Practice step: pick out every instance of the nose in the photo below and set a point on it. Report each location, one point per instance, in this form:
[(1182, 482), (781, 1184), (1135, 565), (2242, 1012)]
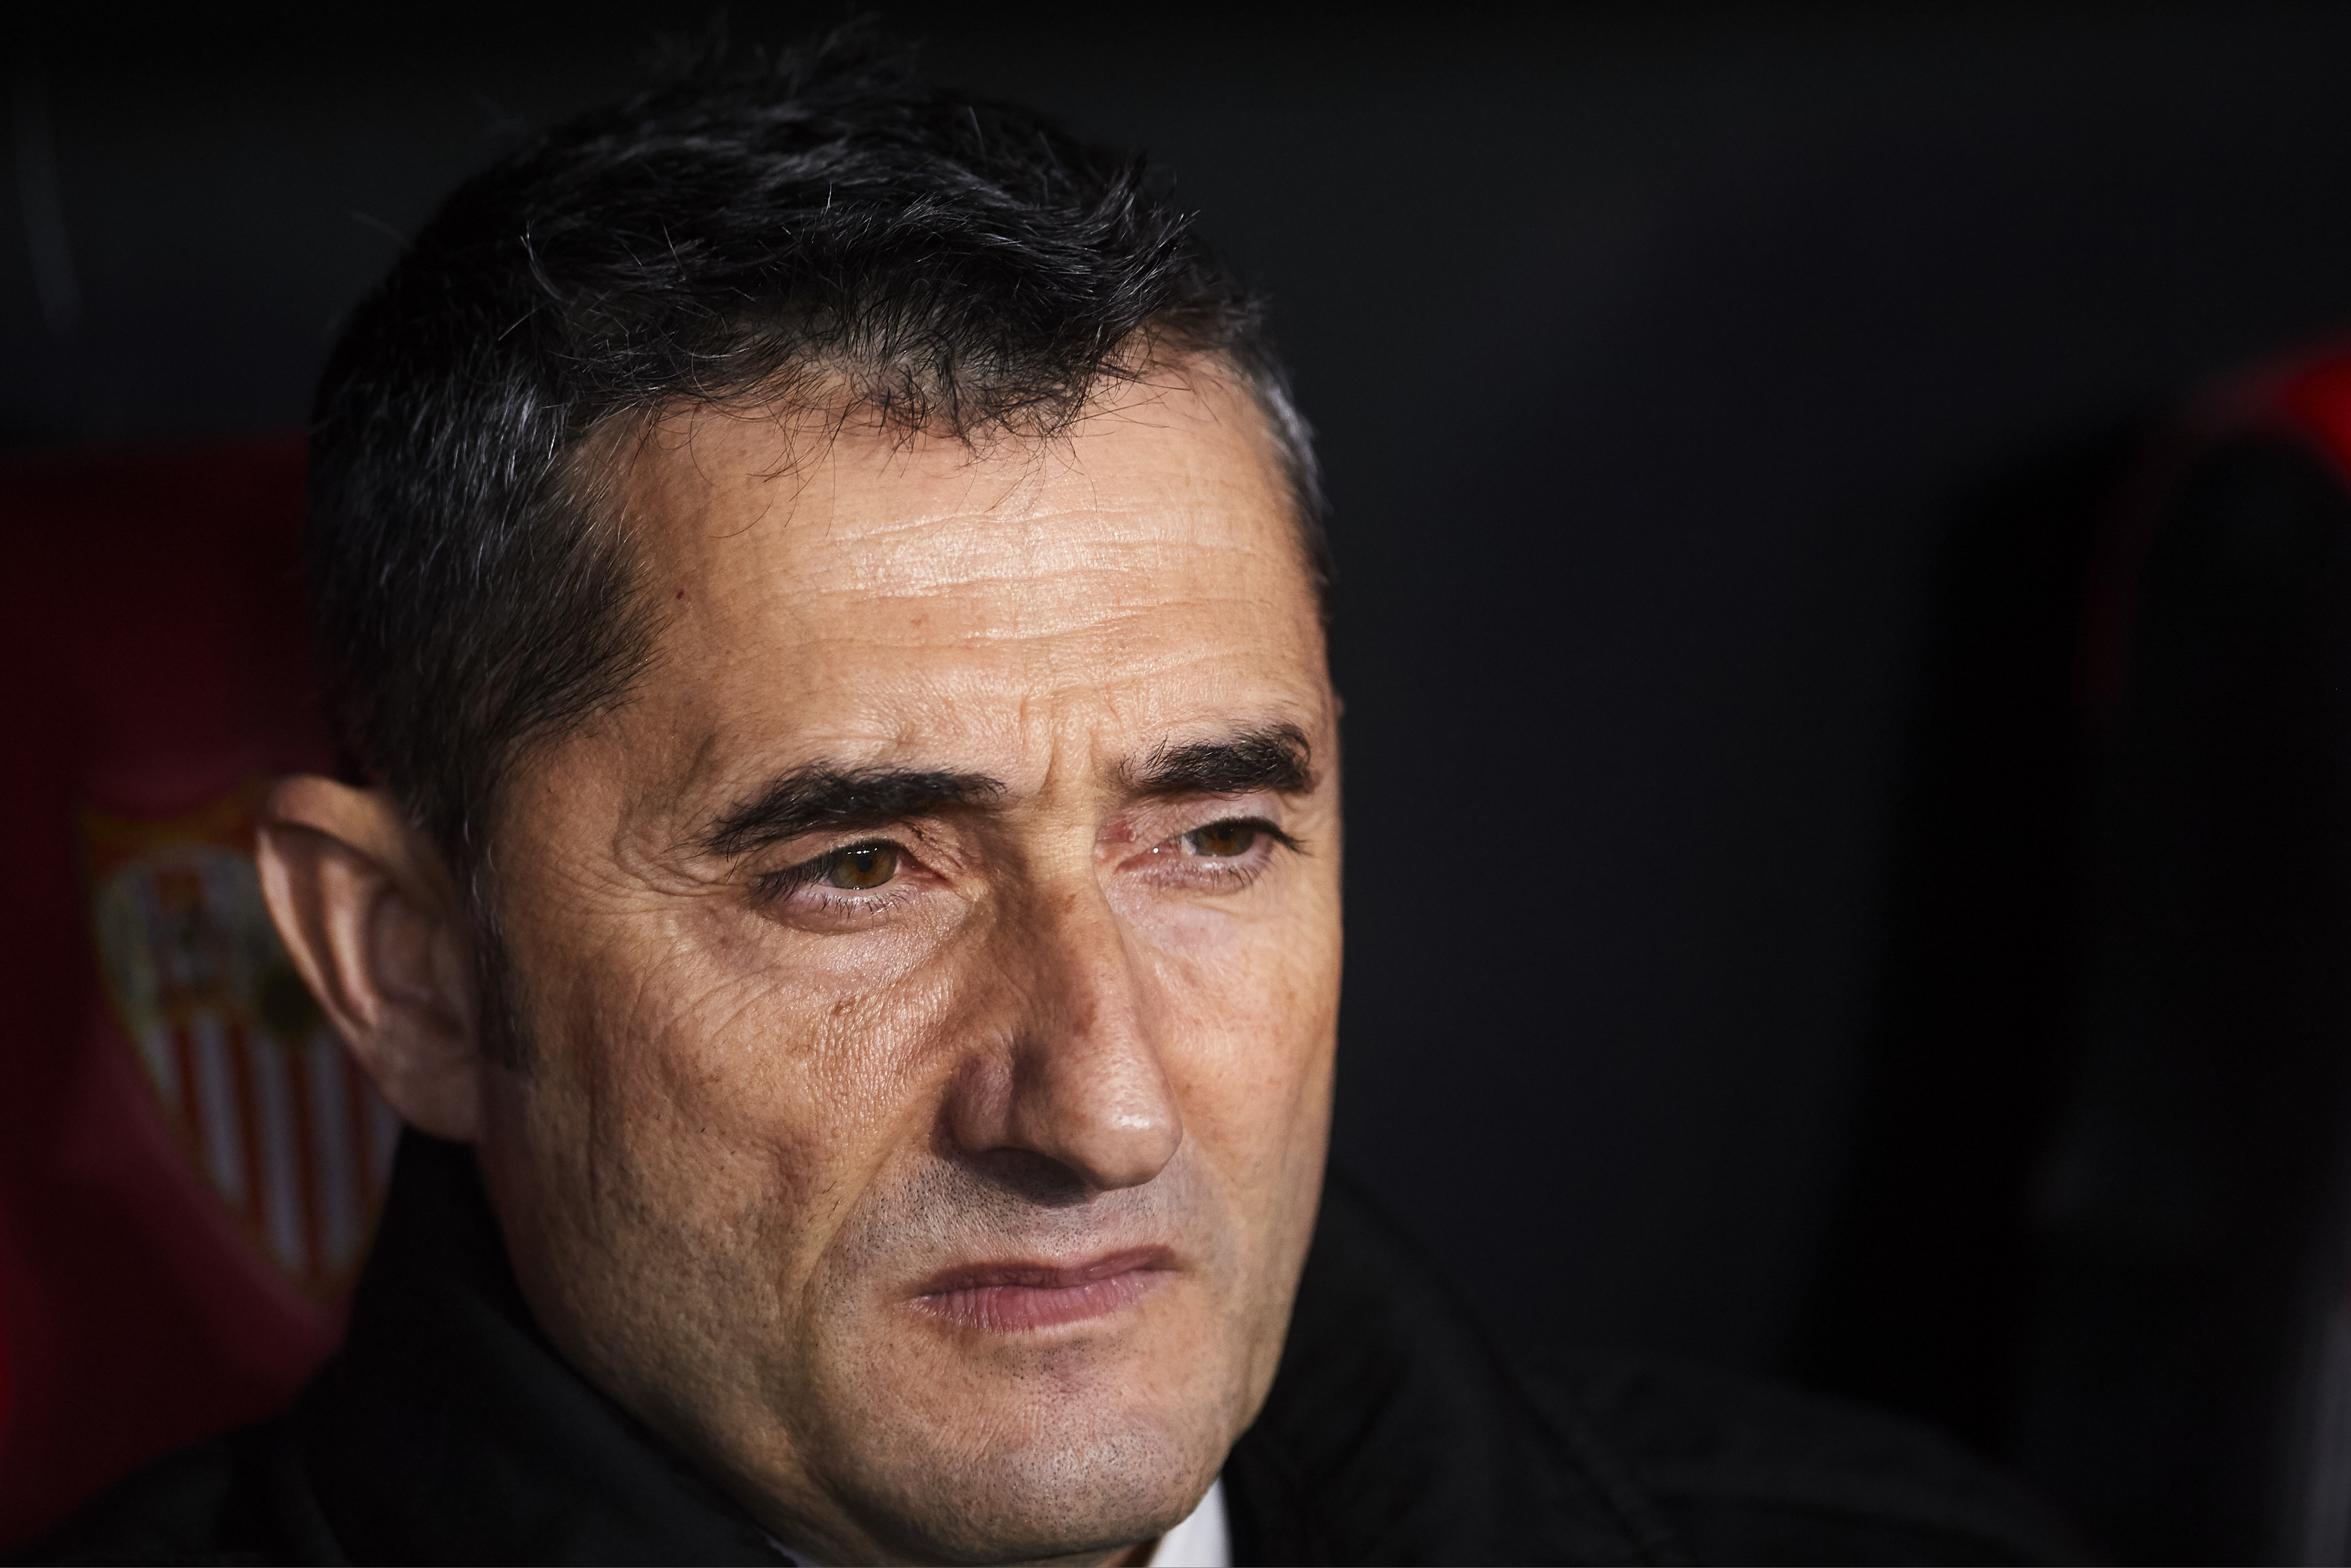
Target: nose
[(1078, 1079)]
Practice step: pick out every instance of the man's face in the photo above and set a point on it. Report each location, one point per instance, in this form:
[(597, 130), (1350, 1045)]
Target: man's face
[(930, 974)]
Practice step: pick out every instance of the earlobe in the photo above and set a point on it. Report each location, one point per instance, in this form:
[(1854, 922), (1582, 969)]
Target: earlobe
[(368, 914)]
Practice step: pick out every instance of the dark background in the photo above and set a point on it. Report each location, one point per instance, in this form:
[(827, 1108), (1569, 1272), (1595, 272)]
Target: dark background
[(1714, 399)]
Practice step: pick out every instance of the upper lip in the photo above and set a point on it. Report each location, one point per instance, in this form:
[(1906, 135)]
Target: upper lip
[(1039, 1276)]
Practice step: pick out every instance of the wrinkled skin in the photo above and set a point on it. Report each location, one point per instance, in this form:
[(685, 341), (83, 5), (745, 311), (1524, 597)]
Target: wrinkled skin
[(1081, 1019)]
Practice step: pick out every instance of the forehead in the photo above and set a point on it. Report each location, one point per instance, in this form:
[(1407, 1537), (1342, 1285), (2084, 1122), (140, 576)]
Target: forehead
[(862, 592)]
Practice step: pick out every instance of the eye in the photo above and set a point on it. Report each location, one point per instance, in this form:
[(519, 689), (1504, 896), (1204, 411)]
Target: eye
[(853, 883), (858, 869), (1222, 840)]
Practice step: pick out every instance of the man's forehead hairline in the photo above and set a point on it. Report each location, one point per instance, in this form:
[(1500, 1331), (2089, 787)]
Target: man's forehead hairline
[(626, 470), (821, 409)]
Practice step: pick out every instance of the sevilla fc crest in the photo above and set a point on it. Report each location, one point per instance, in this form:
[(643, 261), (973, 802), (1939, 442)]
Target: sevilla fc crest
[(264, 1098)]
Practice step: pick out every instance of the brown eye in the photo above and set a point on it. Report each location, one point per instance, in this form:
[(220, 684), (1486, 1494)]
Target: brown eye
[(866, 866), (1222, 840)]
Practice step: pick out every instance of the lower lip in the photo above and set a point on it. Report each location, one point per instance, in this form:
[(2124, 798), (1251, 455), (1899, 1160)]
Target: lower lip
[(1013, 1309)]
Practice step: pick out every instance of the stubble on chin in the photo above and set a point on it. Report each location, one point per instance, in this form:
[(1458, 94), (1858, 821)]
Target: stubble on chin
[(957, 1443)]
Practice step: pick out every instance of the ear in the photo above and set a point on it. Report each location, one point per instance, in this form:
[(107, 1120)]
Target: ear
[(371, 917)]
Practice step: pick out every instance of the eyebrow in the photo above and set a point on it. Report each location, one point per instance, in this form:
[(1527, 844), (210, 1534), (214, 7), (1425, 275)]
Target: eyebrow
[(1274, 757), (822, 795)]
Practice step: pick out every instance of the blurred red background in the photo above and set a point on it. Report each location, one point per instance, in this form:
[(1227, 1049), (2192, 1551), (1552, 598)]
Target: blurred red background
[(156, 651)]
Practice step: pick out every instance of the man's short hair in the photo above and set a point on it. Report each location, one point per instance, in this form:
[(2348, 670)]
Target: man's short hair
[(828, 228)]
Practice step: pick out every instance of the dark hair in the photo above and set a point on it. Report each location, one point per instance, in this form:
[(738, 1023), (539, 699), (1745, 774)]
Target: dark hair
[(957, 266)]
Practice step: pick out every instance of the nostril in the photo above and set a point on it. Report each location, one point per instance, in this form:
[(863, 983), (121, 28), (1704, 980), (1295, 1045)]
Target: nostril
[(1030, 1176)]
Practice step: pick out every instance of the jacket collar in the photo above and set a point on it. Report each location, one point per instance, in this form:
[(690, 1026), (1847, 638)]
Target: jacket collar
[(1396, 1431), (448, 1429)]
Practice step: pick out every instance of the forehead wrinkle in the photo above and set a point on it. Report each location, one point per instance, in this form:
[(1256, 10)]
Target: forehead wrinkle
[(1005, 609), (939, 712), (932, 554), (942, 557)]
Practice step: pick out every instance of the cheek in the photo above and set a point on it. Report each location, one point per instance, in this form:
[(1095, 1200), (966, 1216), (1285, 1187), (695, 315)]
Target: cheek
[(1245, 1020), (708, 1083)]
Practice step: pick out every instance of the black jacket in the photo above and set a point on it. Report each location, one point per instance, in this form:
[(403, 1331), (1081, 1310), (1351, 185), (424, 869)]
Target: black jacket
[(448, 1430)]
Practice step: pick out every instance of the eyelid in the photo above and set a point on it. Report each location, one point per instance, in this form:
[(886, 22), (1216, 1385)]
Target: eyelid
[(1156, 821), (841, 841)]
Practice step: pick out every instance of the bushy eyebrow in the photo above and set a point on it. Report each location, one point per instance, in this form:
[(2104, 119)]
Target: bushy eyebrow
[(824, 796), (1274, 757)]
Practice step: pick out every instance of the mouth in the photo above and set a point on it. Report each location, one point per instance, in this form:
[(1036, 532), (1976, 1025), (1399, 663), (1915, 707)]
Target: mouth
[(1011, 1298)]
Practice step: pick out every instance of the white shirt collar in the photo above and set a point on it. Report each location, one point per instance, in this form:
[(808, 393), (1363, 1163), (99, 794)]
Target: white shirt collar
[(1201, 1540)]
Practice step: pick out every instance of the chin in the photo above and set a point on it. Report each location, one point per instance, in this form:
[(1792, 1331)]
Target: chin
[(1046, 1466), (1051, 1499)]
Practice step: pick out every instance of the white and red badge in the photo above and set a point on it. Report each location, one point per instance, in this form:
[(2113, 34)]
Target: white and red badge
[(262, 1096)]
